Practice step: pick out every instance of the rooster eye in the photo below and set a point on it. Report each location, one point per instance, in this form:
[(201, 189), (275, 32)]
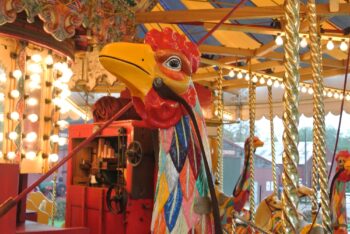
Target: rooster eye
[(173, 63)]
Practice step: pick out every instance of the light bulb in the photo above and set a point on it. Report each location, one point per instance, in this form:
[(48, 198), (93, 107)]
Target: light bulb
[(33, 118), (14, 93), (35, 68), (62, 141), (330, 44), (53, 158), (49, 60), (65, 93), (1, 155), (347, 97), (341, 96), (336, 95), (303, 42), (1, 117), (54, 138), (17, 73), (57, 101), (35, 77), (239, 75), (1, 136), (32, 101), (2, 96), (64, 109), (231, 74), (343, 46), (269, 82), (14, 115), (31, 137), (2, 77), (279, 40), (66, 76), (255, 79), (13, 136), (36, 58), (247, 77), (11, 155), (282, 86), (62, 124), (310, 91), (57, 66), (31, 155), (324, 93), (329, 94), (262, 80), (33, 85), (276, 84)]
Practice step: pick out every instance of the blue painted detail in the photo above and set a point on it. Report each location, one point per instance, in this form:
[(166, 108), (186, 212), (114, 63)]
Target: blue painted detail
[(172, 207)]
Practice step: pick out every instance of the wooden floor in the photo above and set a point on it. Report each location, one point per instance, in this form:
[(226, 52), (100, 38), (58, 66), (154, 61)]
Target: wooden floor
[(37, 228)]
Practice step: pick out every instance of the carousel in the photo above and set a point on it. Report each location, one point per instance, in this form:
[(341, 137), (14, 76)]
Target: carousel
[(143, 116)]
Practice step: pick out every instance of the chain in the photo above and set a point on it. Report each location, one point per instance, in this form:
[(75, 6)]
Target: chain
[(219, 131), (273, 150), (290, 178), (252, 96), (319, 151)]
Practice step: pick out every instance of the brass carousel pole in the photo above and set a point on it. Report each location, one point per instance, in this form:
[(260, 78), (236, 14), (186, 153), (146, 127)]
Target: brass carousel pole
[(252, 97), (290, 178), (273, 150), (319, 151), (219, 131)]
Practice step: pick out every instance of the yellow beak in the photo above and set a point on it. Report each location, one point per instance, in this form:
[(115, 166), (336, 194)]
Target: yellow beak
[(347, 165), (132, 63)]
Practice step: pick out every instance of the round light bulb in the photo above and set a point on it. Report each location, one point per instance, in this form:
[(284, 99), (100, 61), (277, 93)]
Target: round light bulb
[(17, 73), (330, 44), (239, 75), (53, 158), (33, 85), (343, 46), (336, 95), (247, 77), (62, 141), (57, 101), (14, 115), (341, 96), (49, 60), (269, 82), (347, 97), (32, 101), (11, 155), (14, 93), (57, 66), (65, 93), (31, 137), (33, 118), (310, 91), (255, 79), (324, 93), (66, 76), (64, 109), (2, 96), (31, 155), (54, 138), (282, 86), (262, 80), (62, 124), (276, 84), (231, 74), (303, 42), (2, 77), (35, 77), (1, 155), (36, 58), (13, 136), (329, 94), (35, 68), (279, 40)]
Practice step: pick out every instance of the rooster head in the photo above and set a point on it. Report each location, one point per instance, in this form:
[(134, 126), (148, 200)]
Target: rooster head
[(166, 55), (343, 162)]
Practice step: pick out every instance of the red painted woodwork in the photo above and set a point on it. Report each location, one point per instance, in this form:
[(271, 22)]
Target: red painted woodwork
[(86, 206), (9, 177), (36, 228)]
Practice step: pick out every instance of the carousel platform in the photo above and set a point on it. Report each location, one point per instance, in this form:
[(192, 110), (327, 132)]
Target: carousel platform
[(37, 228)]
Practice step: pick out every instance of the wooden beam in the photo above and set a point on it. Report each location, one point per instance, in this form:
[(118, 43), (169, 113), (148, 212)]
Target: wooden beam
[(264, 49), (202, 15), (245, 28), (226, 51), (334, 5)]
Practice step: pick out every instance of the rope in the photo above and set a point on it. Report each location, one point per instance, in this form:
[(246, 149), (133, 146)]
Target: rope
[(319, 144), (290, 178), (219, 130), (273, 150), (252, 96)]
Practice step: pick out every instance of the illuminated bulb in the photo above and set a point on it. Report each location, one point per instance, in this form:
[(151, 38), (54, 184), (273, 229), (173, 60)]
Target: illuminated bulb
[(36, 58), (64, 109), (324, 93), (269, 82), (33, 118), (2, 77), (14, 93), (54, 138), (1, 155), (14, 115), (279, 40), (64, 67), (62, 124), (247, 77), (2, 97), (49, 60), (336, 95), (282, 86), (32, 101), (231, 74), (329, 94), (347, 97), (31, 155), (67, 74), (276, 84), (31, 137), (262, 80), (13, 135), (57, 66), (239, 75), (17, 73), (35, 78), (343, 46), (303, 42), (341, 96), (1, 136), (310, 91), (62, 141), (57, 101), (33, 85), (65, 93), (255, 79), (53, 158), (1, 117), (11, 155), (34, 68), (330, 44)]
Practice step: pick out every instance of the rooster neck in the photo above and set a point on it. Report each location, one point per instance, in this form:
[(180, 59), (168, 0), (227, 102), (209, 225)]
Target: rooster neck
[(338, 204)]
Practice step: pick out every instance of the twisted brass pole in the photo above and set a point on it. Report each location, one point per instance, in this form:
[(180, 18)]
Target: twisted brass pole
[(272, 136), (319, 151), (54, 207), (290, 178), (219, 130), (252, 96)]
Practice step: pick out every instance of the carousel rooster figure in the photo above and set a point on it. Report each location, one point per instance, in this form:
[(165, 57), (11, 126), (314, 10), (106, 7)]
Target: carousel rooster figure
[(181, 203)]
